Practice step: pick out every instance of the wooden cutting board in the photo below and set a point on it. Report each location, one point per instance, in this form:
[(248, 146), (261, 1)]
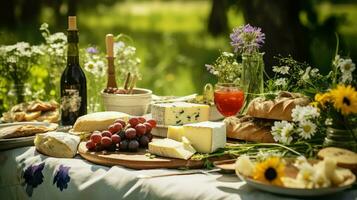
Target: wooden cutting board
[(135, 160)]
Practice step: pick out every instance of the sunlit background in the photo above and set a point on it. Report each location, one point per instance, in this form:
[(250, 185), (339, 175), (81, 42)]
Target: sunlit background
[(174, 39)]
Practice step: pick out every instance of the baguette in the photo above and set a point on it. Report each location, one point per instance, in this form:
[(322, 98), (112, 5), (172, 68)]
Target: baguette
[(278, 109), (249, 129)]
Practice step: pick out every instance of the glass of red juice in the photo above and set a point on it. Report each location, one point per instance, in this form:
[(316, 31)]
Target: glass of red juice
[(229, 98)]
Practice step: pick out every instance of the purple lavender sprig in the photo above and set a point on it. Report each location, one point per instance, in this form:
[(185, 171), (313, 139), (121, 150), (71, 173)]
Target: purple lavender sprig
[(247, 39)]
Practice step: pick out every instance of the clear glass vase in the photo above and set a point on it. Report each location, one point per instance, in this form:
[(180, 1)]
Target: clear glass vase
[(343, 138), (19, 91), (252, 79)]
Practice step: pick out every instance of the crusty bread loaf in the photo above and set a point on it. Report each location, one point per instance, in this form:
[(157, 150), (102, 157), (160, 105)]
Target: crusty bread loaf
[(278, 109), (249, 129), (343, 157)]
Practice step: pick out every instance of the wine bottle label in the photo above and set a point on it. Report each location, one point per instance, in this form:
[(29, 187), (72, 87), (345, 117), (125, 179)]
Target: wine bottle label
[(71, 101)]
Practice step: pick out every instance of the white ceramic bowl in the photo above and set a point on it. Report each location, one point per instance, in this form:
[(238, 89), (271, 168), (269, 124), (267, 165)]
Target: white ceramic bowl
[(133, 104)]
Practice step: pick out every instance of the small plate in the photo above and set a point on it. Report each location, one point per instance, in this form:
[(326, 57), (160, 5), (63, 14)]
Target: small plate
[(226, 166), (12, 143), (298, 192)]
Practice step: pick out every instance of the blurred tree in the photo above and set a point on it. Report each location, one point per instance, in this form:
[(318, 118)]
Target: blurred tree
[(30, 11), (72, 7), (217, 21), (7, 14), (279, 20)]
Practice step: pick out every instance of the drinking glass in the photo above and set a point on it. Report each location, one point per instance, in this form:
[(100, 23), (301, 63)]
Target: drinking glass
[(229, 98)]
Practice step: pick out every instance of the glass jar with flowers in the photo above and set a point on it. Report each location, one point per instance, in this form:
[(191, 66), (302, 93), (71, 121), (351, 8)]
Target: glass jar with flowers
[(16, 62), (246, 41), (339, 109), (228, 96)]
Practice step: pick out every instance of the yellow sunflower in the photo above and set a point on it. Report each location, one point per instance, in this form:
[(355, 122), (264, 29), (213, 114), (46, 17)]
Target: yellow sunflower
[(345, 99), (322, 99), (270, 171)]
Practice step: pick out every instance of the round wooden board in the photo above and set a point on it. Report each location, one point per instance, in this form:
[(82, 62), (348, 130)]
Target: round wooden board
[(135, 160)]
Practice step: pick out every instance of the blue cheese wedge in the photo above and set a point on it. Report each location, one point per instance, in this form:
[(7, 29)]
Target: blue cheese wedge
[(172, 148), (205, 137), (179, 113), (57, 144)]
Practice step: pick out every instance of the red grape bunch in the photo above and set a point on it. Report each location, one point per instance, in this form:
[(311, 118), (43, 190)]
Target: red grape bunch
[(123, 136)]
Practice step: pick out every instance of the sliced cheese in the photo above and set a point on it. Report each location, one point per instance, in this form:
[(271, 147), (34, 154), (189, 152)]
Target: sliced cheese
[(98, 121), (171, 148), (57, 144), (175, 133), (205, 137), (179, 113)]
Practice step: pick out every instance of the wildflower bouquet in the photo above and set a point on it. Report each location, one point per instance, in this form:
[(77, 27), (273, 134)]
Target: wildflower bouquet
[(126, 59), (16, 61), (95, 69), (333, 95), (226, 68), (246, 41)]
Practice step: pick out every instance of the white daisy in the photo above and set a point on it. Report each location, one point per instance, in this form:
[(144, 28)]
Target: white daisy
[(306, 129), (346, 77), (303, 113), (346, 66), (282, 132), (286, 133), (91, 67), (101, 68)]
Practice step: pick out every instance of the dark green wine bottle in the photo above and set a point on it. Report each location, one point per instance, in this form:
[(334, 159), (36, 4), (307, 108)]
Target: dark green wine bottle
[(73, 80)]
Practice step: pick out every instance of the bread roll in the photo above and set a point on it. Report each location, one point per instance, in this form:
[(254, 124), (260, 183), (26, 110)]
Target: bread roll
[(249, 129), (278, 109)]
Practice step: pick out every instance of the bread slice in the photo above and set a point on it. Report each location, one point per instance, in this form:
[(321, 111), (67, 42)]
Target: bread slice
[(25, 130), (343, 157)]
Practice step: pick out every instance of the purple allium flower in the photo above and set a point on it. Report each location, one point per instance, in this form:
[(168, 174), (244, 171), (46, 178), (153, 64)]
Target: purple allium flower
[(62, 178), (92, 50), (33, 177), (247, 39)]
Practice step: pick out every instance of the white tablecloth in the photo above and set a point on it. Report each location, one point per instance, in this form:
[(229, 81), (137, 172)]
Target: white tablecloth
[(26, 174)]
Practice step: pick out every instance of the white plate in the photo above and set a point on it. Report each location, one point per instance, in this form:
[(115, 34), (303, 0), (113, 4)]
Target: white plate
[(295, 191), (11, 143)]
